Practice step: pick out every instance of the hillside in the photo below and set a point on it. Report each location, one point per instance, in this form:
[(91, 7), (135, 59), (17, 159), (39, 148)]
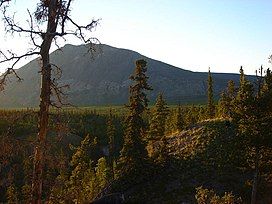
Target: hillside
[(103, 78), (206, 155)]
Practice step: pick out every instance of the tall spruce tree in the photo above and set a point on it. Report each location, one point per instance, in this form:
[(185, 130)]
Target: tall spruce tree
[(82, 184), (231, 95), (231, 89), (157, 124), (253, 119), (111, 135), (133, 160), (102, 172), (242, 76), (227, 99), (210, 103), (223, 105), (157, 127)]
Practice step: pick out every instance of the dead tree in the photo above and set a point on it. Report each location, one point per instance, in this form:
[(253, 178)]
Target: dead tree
[(55, 15)]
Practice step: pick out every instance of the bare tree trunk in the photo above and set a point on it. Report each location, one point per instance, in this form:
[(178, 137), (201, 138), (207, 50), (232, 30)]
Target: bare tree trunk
[(54, 13), (43, 128), (255, 179), (37, 182)]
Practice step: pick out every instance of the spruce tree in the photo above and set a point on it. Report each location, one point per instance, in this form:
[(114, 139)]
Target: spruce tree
[(226, 101), (210, 103), (82, 185), (111, 135), (223, 105), (245, 118), (102, 172), (180, 124), (12, 195), (157, 127), (253, 119), (242, 76), (133, 160), (170, 123), (231, 89), (157, 124), (231, 95)]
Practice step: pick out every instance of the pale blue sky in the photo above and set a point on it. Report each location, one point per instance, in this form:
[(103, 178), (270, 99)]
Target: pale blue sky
[(190, 34)]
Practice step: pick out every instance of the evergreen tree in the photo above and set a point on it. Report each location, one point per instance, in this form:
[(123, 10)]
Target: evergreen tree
[(223, 105), (231, 89), (191, 116), (226, 101), (170, 123), (82, 176), (134, 158), (205, 196), (180, 124), (102, 173), (26, 188), (26, 192), (195, 115), (157, 124), (210, 104), (90, 185), (253, 121), (12, 195), (79, 164), (59, 190), (231, 95), (242, 76), (111, 135), (157, 127)]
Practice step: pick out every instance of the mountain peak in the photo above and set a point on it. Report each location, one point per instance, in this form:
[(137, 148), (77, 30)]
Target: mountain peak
[(102, 78)]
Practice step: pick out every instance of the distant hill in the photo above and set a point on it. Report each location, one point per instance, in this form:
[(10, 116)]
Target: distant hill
[(103, 79)]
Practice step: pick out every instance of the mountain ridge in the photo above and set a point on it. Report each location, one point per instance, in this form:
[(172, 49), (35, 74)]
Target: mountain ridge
[(103, 78)]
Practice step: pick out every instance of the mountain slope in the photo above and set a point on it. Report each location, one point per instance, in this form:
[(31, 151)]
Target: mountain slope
[(103, 78)]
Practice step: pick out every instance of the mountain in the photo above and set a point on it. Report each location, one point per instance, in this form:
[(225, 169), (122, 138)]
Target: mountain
[(102, 78)]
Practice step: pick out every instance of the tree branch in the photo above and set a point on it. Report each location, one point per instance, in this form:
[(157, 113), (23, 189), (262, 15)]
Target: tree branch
[(4, 1), (12, 27), (14, 59)]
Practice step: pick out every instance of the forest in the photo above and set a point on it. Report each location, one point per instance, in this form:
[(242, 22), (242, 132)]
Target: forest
[(142, 152), (206, 153)]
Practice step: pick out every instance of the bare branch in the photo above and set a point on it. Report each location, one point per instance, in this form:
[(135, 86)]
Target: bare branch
[(4, 1), (65, 16), (5, 76), (58, 92), (79, 31), (14, 59), (55, 14), (32, 28), (13, 27)]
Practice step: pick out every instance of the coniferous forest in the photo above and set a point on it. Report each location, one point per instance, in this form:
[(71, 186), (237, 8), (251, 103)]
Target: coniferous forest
[(219, 152), (144, 151)]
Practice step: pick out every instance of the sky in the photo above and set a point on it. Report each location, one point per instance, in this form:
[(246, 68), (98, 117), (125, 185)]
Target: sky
[(190, 34)]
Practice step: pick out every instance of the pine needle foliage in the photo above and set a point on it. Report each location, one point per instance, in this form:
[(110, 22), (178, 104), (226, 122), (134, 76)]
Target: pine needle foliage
[(157, 129), (157, 124), (111, 131), (227, 100), (210, 103), (180, 123), (133, 160)]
